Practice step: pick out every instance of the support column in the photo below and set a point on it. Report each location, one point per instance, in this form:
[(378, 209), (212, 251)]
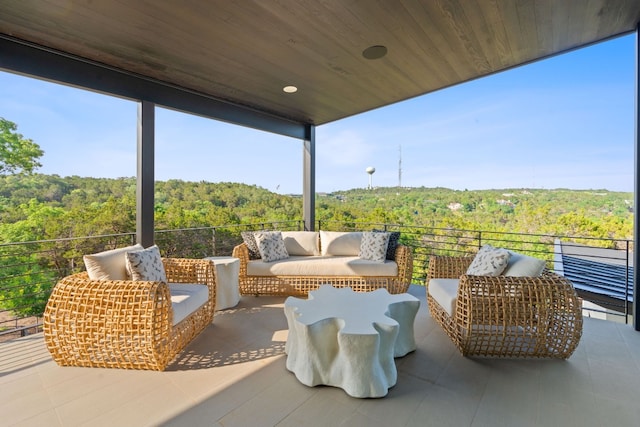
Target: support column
[(309, 178), (145, 174), (636, 197)]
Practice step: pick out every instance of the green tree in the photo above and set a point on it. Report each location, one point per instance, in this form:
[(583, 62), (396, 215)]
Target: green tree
[(17, 153)]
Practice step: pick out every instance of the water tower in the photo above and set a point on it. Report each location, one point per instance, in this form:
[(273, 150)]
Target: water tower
[(370, 170)]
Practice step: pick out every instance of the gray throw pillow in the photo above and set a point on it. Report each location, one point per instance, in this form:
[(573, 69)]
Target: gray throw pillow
[(249, 239)]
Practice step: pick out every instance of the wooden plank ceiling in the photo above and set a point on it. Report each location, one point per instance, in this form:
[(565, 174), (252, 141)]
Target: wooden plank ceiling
[(247, 51)]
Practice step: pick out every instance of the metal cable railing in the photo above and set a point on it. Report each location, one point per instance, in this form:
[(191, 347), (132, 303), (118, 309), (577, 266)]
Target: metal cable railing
[(29, 270)]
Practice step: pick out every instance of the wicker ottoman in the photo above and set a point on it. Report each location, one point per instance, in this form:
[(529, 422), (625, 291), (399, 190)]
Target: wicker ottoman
[(349, 339)]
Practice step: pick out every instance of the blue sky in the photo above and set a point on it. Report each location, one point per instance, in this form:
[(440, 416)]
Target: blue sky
[(566, 122)]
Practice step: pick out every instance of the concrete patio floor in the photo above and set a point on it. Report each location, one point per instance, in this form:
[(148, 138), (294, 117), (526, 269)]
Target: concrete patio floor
[(234, 374)]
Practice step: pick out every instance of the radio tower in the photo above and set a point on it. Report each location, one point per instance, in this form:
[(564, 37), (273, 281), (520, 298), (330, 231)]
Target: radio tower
[(400, 166)]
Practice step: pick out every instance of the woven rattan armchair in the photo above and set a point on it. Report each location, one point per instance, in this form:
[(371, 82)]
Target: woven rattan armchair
[(302, 285), (124, 324), (508, 316)]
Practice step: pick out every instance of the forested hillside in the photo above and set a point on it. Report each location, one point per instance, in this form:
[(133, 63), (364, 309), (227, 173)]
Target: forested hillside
[(36, 207), (42, 207)]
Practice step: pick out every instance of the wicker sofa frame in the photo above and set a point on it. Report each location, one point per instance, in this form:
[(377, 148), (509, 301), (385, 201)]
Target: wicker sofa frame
[(533, 317), (302, 285), (124, 324)]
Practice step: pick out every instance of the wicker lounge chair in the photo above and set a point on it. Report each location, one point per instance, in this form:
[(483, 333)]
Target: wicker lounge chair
[(508, 316), (124, 324)]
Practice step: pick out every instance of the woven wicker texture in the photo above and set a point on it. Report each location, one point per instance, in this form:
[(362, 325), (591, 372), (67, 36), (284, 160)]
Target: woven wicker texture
[(301, 285), (124, 324), (508, 316)]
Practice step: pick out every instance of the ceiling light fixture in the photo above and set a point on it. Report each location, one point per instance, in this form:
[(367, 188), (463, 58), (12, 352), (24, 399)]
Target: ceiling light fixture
[(290, 89), (374, 52)]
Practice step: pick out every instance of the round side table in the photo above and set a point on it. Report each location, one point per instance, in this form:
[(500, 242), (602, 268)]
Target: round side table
[(227, 289)]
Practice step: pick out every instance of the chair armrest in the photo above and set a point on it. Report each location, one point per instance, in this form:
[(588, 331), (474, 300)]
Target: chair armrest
[(404, 260), (548, 305), (108, 323), (448, 267), (89, 301), (196, 271)]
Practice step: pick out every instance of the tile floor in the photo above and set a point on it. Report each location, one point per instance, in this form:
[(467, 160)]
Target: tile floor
[(234, 374)]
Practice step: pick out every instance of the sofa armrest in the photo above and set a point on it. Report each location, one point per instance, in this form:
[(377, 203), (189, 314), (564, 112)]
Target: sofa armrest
[(242, 253), (447, 267), (404, 260)]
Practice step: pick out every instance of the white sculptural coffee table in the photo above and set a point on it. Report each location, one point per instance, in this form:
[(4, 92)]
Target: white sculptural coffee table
[(347, 339)]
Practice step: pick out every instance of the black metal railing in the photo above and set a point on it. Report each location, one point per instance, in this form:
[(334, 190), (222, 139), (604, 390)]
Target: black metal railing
[(28, 270)]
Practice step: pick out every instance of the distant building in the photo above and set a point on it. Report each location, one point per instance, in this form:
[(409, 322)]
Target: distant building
[(505, 202)]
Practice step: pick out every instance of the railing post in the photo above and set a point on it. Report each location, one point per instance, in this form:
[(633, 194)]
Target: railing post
[(636, 197), (626, 286), (213, 240)]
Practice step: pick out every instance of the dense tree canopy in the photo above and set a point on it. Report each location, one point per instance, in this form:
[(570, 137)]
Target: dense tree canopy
[(39, 207), (17, 153)]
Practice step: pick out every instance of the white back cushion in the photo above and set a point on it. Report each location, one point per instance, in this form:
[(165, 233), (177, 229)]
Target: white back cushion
[(109, 265), (340, 243), (301, 242), (523, 265)]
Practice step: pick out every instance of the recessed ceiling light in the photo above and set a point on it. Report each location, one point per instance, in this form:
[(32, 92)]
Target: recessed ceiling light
[(290, 89), (374, 52)]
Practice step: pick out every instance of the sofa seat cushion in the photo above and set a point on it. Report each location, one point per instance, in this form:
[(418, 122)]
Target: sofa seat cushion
[(445, 293), (322, 266), (186, 298)]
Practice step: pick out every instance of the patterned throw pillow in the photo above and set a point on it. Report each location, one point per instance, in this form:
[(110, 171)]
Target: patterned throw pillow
[(489, 261), (146, 264), (374, 246), (249, 239), (394, 241), (271, 245)]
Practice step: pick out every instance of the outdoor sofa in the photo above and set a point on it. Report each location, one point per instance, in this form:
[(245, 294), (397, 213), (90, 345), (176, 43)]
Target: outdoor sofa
[(525, 311), (326, 257), (118, 322)]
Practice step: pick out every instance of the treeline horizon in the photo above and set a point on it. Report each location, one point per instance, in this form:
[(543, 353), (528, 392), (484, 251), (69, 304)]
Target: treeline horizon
[(40, 206)]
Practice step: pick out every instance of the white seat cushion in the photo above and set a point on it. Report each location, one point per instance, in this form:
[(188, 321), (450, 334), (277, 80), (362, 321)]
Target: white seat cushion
[(186, 298), (322, 266), (445, 292)]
